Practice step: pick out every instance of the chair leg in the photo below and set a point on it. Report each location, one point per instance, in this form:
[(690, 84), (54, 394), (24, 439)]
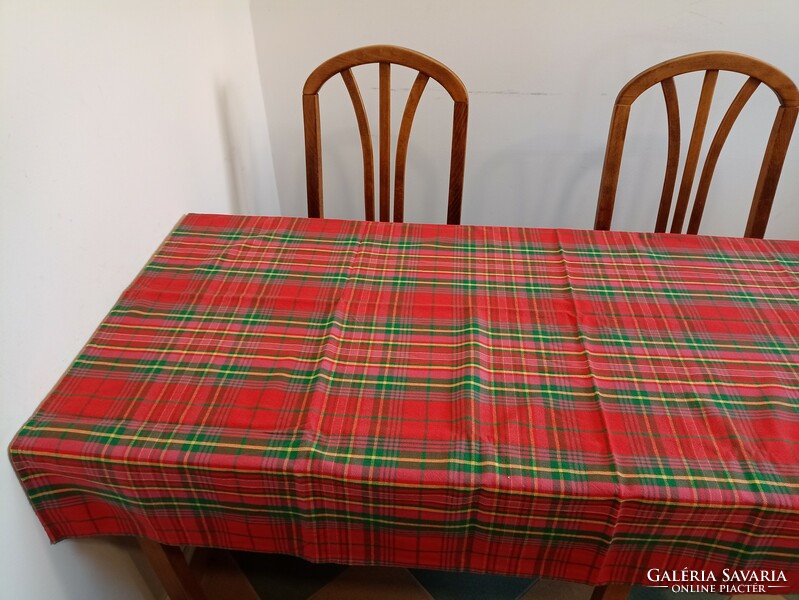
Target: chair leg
[(172, 570), (611, 591)]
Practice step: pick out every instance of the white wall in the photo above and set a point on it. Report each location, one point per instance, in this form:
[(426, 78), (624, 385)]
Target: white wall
[(542, 76), (115, 119), (118, 117)]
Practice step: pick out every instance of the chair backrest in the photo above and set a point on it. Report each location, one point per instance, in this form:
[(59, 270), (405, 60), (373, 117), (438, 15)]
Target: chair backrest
[(384, 56), (664, 73)]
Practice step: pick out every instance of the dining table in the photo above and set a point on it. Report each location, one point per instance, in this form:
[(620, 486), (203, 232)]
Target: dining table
[(603, 407)]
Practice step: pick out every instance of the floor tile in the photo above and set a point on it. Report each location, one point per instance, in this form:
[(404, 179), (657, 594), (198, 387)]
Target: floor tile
[(280, 577), (373, 583), (549, 589), (443, 585), (650, 593), (645, 593)]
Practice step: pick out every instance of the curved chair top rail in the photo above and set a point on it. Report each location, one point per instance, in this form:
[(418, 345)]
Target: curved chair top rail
[(390, 54), (779, 82)]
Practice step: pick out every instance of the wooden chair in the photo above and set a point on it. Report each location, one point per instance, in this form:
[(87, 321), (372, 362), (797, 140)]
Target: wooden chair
[(384, 56), (664, 73)]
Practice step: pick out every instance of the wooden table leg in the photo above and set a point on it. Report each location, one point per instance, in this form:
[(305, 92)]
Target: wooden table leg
[(613, 591), (173, 571)]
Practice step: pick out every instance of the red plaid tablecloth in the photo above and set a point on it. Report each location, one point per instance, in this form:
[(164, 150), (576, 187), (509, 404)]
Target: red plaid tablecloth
[(574, 404)]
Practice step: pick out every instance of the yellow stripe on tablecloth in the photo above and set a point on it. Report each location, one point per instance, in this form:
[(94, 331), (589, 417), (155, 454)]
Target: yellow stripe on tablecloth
[(394, 484), (444, 385), (359, 503), (515, 350), (466, 526), (423, 330), (350, 249), (682, 282), (400, 459)]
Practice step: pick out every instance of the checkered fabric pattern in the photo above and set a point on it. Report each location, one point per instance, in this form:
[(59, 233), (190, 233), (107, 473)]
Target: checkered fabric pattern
[(578, 405)]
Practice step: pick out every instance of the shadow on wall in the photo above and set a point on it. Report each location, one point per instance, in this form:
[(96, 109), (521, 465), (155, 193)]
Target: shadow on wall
[(246, 156), (240, 200)]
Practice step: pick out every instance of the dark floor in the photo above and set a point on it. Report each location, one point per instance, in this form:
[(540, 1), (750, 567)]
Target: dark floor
[(277, 577)]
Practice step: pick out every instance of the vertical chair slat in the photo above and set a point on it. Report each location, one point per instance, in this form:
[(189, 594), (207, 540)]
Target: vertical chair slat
[(746, 91), (402, 144), (385, 140), (313, 154), (673, 156), (694, 147), (366, 144), (611, 166), (457, 162), (769, 177)]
